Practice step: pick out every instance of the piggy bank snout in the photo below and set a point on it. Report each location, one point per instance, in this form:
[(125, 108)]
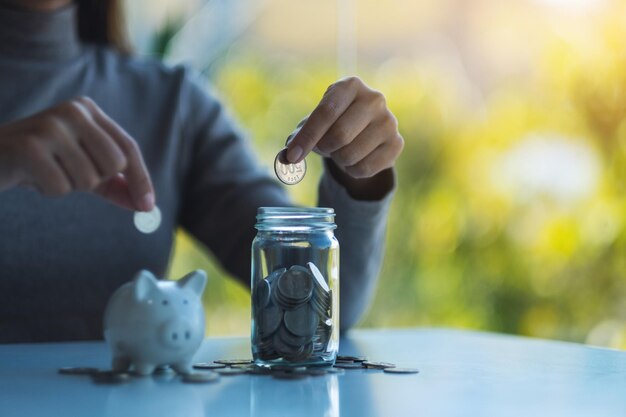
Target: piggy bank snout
[(176, 333)]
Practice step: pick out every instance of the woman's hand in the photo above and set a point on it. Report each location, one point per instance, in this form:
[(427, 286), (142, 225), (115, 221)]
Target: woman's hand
[(75, 146), (354, 128)]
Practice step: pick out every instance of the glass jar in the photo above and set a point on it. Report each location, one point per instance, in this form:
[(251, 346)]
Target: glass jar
[(295, 287)]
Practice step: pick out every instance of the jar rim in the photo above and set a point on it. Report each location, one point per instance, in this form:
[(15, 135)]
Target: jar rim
[(295, 218), (296, 210)]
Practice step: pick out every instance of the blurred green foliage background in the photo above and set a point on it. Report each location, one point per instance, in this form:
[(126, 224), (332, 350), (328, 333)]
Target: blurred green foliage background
[(510, 210)]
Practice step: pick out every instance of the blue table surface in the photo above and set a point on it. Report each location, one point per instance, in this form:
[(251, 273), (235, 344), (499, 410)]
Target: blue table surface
[(461, 374)]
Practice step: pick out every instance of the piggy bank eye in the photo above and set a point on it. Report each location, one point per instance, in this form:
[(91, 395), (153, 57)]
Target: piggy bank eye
[(164, 302), (185, 302)]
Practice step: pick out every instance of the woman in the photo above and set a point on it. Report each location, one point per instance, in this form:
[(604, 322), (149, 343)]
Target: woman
[(80, 120)]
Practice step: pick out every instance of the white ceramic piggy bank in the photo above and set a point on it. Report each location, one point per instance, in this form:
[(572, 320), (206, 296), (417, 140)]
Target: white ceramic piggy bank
[(150, 322)]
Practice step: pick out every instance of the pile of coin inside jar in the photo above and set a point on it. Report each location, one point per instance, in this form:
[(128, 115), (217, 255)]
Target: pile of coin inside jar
[(292, 314)]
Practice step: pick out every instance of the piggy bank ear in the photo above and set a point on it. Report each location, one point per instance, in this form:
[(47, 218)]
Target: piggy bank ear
[(143, 284), (195, 281)]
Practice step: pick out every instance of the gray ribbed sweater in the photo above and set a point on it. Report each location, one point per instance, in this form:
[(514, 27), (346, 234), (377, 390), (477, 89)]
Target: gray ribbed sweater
[(60, 259)]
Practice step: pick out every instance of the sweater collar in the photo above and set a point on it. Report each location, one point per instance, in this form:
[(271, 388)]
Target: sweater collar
[(38, 36)]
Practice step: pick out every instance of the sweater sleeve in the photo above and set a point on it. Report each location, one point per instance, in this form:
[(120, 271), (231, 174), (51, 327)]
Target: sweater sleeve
[(361, 227), (223, 183)]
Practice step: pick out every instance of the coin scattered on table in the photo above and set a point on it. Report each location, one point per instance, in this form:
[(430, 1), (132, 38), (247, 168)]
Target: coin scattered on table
[(234, 361), (259, 370), (147, 221), (209, 366), (230, 367), (164, 371), (201, 377), (345, 358), (401, 370), (77, 370), (244, 367), (378, 365), (110, 377), (287, 172), (231, 371), (348, 365), (316, 372)]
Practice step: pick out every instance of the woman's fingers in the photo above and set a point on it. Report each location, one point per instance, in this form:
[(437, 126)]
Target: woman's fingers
[(67, 151), (346, 128), (135, 172), (353, 126), (116, 190), (335, 102), (106, 156), (77, 165), (364, 144), (380, 159), (75, 146), (45, 172)]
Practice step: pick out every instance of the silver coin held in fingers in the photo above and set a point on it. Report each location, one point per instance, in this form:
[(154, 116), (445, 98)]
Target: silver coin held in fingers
[(286, 172), (148, 221)]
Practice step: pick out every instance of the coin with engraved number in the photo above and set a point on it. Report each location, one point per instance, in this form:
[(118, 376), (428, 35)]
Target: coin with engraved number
[(201, 377), (401, 370), (148, 221), (286, 172)]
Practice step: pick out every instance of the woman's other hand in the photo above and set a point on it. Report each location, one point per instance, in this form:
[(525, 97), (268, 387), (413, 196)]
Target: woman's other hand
[(75, 146)]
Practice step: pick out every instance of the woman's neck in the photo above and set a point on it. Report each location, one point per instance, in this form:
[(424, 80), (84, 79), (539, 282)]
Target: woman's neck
[(38, 37)]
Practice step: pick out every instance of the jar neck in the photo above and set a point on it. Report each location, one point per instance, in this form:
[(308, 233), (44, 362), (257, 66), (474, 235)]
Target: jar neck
[(295, 219)]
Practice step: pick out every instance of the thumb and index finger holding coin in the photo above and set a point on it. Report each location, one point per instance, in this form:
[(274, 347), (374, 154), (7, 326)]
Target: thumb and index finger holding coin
[(132, 187), (353, 127), (75, 146)]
